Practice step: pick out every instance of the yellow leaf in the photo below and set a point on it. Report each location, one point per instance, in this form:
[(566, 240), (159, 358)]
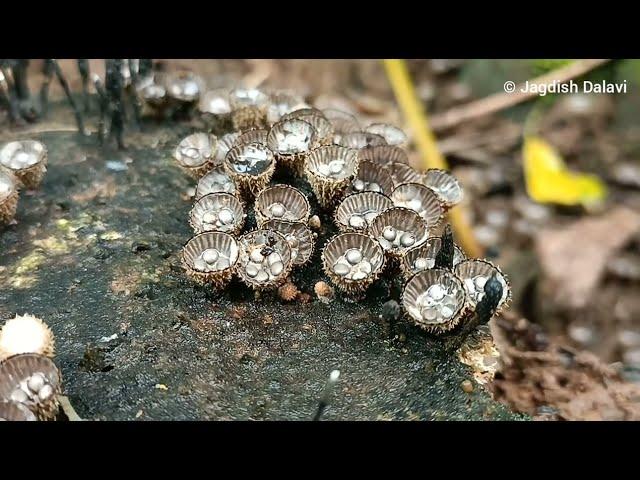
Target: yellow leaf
[(549, 181)]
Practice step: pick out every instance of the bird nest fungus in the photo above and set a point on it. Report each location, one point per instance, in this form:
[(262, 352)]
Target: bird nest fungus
[(389, 215)]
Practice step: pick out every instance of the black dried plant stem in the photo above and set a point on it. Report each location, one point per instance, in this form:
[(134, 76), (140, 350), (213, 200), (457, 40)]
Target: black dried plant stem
[(21, 87), (145, 67), (325, 399), (8, 94), (485, 309), (103, 103), (19, 69), (133, 95), (65, 86), (83, 69), (47, 70), (114, 89), (444, 257)]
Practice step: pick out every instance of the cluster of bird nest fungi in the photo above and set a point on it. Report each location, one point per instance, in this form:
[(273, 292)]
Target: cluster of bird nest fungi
[(387, 213)]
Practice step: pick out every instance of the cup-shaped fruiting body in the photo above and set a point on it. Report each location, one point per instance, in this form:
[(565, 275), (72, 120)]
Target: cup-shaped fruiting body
[(342, 122), (398, 229), (352, 261), (322, 126), (384, 155), (282, 103), (265, 259), (403, 173), (217, 180), (445, 185), (372, 178), (8, 196), (329, 170), (210, 257), (249, 108), (26, 334), (474, 274), (391, 134), (32, 380), (423, 257), (361, 140), (217, 212), (357, 211), (435, 300), (251, 166), (421, 200), (215, 108), (299, 236), (281, 202), (26, 159), (255, 135), (301, 112), (184, 87), (291, 140), (196, 154), (152, 92), (15, 412), (225, 143)]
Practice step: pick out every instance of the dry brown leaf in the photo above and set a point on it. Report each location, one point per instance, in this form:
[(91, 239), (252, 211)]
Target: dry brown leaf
[(574, 258)]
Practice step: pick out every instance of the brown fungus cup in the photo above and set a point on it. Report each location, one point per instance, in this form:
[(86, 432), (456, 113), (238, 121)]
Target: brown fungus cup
[(299, 236), (322, 126), (352, 261), (15, 412), (210, 258), (435, 300), (250, 107), (398, 229), (33, 381), (251, 166), (360, 140), (183, 88), (265, 259), (291, 140), (330, 170), (403, 173), (445, 185), (282, 103), (342, 122), (372, 178), (357, 211), (474, 274), (423, 257), (215, 108), (391, 134), (384, 155), (26, 334), (8, 196), (281, 202), (215, 181), (225, 143), (221, 212), (421, 200), (26, 159), (196, 154), (255, 135)]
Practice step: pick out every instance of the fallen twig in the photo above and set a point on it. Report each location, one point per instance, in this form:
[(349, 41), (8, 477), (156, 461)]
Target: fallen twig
[(68, 409)]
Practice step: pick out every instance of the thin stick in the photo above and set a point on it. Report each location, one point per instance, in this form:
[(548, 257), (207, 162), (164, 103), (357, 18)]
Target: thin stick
[(415, 114), (500, 101), (325, 399), (68, 409)]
